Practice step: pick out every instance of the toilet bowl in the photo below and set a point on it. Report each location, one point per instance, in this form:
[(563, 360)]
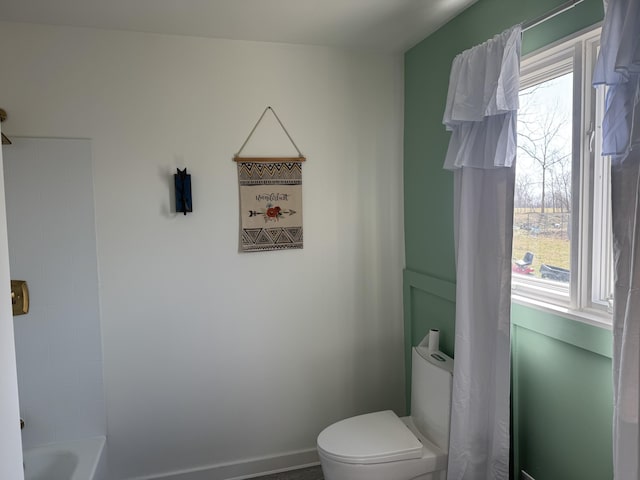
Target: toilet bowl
[(379, 446), (383, 446)]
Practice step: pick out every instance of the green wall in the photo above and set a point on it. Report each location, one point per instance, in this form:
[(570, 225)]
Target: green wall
[(561, 368), (562, 397)]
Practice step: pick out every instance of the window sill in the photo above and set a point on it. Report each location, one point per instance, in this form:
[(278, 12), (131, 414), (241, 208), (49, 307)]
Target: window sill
[(591, 317)]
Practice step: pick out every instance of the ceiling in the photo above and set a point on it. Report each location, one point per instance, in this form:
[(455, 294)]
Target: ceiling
[(382, 25)]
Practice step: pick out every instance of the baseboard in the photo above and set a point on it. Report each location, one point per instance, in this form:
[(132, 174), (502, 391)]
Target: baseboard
[(250, 468)]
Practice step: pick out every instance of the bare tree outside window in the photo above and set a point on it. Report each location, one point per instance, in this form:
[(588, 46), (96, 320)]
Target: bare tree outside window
[(543, 180)]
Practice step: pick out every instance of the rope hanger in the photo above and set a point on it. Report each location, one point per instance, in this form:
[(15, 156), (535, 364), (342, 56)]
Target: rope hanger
[(299, 158)]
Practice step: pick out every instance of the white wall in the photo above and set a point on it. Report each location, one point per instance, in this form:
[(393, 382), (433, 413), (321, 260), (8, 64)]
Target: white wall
[(10, 447), (211, 356), (52, 245)]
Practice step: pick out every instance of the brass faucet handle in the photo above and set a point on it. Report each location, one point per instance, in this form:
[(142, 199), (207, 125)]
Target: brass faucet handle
[(19, 297)]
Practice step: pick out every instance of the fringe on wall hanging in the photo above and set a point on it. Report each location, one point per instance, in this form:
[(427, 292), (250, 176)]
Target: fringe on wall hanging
[(270, 198)]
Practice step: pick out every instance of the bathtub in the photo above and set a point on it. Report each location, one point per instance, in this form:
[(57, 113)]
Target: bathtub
[(73, 460)]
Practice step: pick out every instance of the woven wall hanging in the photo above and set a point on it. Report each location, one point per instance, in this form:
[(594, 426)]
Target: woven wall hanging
[(270, 198)]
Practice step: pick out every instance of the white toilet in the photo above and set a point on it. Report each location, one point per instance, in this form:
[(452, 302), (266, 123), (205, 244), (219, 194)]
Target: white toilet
[(382, 446)]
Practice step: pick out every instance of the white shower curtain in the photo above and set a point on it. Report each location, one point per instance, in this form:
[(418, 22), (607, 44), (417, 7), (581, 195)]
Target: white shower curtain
[(618, 68), (481, 114)]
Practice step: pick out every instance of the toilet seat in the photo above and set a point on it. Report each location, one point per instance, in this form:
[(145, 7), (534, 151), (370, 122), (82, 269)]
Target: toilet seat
[(378, 437)]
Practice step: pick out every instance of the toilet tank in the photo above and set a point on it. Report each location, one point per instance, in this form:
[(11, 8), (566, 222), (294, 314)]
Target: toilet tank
[(431, 382)]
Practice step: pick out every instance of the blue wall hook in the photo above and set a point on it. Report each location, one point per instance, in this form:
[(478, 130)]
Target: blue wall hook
[(182, 181)]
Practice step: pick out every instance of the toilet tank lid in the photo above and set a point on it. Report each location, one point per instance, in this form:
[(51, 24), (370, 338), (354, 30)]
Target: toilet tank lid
[(438, 358), (378, 437)]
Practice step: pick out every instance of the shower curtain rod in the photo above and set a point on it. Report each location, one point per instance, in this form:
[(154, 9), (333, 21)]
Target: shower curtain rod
[(550, 14)]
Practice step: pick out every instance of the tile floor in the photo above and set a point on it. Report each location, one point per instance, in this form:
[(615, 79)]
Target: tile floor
[(312, 473)]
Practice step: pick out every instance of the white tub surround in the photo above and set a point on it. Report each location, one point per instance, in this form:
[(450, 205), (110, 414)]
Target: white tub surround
[(77, 460)]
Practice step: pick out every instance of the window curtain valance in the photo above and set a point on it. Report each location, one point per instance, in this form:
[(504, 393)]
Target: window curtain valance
[(618, 67), (482, 103)]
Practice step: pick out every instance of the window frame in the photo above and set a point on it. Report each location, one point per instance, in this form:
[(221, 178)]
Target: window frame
[(578, 300)]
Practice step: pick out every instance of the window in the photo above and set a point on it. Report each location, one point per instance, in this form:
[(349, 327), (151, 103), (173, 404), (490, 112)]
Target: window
[(562, 256)]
